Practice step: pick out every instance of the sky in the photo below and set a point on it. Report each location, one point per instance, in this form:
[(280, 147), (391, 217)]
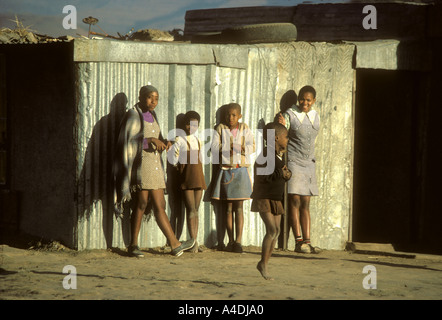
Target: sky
[(46, 16)]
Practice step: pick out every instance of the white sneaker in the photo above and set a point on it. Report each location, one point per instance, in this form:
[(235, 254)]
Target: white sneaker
[(302, 247)]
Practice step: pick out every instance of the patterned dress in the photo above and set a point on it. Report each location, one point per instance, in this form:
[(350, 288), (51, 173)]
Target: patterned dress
[(152, 172)]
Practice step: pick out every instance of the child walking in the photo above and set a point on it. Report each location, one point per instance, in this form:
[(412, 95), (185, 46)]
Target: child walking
[(186, 155), (139, 173), (232, 145), (303, 125), (268, 191)]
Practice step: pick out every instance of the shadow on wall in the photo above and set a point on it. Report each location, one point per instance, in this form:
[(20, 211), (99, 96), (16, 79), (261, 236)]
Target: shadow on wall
[(95, 184), (176, 205)]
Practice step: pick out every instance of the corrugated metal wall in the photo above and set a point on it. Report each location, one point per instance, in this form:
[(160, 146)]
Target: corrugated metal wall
[(107, 89)]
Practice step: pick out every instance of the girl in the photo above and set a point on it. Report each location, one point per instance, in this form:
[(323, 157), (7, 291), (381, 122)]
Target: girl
[(232, 145), (186, 153), (268, 193), (139, 169), (303, 125)]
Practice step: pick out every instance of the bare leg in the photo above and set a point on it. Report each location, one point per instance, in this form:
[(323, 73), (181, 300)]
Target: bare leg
[(161, 218), (218, 206), (137, 215), (177, 216), (294, 204), (304, 216), (198, 197), (272, 224), (229, 221), (192, 200), (239, 219)]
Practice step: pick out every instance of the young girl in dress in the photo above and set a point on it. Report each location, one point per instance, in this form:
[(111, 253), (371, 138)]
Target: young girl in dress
[(232, 145), (139, 170), (268, 191), (186, 155)]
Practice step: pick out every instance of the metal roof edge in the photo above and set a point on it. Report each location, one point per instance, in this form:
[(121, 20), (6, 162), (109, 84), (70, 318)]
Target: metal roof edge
[(391, 54), (134, 51), (157, 52)]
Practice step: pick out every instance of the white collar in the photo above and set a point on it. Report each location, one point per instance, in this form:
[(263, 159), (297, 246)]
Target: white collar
[(311, 115)]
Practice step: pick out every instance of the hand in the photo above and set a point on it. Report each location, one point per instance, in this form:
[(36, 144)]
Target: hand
[(160, 146), (168, 145), (286, 173), (281, 119)]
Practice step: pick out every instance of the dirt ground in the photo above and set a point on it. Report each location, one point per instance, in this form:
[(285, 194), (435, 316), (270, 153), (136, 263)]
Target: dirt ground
[(36, 274)]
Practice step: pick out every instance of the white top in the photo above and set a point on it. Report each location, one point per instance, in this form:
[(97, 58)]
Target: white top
[(180, 147)]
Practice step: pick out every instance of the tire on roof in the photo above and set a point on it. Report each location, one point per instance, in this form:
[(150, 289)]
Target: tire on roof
[(259, 33), (253, 33), (207, 37)]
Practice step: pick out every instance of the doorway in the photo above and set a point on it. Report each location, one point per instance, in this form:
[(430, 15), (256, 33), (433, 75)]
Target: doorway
[(385, 162)]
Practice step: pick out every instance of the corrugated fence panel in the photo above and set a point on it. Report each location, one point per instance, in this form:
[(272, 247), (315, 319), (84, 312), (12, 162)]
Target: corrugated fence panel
[(107, 89)]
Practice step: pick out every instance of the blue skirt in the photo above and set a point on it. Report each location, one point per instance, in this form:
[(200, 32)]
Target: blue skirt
[(232, 184)]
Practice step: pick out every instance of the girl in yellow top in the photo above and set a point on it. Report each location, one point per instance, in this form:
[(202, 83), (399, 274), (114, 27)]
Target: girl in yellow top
[(232, 145)]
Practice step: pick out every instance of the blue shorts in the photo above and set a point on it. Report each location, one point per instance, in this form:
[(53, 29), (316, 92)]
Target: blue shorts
[(232, 184)]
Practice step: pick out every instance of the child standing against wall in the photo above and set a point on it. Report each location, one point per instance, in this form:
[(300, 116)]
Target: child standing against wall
[(268, 190), (232, 145), (186, 155)]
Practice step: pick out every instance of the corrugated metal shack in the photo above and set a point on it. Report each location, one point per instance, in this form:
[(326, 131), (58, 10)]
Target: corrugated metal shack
[(63, 126), (203, 78)]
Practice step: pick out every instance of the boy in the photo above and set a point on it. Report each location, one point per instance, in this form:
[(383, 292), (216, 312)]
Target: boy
[(268, 192), (232, 145)]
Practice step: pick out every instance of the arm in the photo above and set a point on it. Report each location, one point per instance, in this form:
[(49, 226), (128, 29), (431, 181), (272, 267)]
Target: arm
[(174, 152), (248, 147), (155, 143)]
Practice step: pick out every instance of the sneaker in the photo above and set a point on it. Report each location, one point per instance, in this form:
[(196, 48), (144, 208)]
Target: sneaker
[(301, 247), (229, 247), (237, 247), (315, 250), (185, 245), (134, 251)]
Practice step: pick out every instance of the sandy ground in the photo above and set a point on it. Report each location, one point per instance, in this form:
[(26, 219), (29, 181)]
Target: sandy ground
[(212, 275)]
